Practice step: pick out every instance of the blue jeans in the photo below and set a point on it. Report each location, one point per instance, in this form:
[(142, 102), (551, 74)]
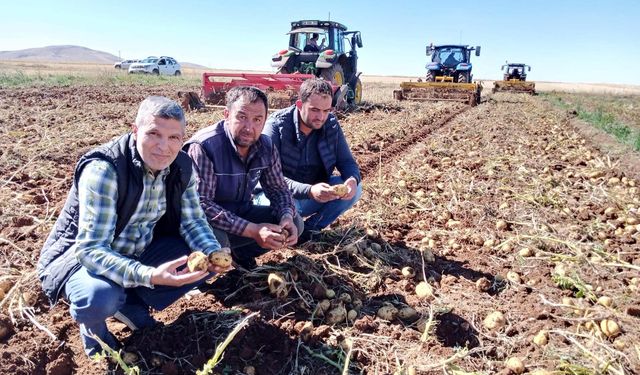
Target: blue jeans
[(319, 215), (93, 298)]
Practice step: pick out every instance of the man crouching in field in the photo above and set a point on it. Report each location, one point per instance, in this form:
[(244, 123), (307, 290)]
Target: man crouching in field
[(132, 216)]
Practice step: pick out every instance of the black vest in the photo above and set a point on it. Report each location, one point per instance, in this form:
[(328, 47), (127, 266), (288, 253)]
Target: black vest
[(56, 263), (235, 179)]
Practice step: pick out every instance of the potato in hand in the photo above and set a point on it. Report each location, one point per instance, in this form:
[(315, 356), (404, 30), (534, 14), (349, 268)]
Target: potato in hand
[(220, 259), (340, 190), (197, 261)]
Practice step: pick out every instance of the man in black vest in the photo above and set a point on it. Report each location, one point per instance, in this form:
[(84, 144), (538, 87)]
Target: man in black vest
[(132, 216), (312, 147), (230, 158)]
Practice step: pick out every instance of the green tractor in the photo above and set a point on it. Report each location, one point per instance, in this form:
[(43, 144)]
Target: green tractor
[(324, 49)]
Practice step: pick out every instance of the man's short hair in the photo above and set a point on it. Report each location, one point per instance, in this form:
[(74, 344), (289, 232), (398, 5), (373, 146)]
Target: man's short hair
[(249, 93), (316, 86), (159, 106)]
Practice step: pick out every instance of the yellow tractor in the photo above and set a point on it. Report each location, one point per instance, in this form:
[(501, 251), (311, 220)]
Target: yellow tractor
[(448, 77), (515, 79)]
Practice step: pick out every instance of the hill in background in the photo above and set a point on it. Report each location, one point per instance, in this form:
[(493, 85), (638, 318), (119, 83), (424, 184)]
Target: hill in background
[(69, 53)]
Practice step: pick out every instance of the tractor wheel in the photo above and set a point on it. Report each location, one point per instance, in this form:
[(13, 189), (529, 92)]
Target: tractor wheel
[(155, 72), (177, 73), (463, 77), (335, 74), (357, 95), (431, 76)]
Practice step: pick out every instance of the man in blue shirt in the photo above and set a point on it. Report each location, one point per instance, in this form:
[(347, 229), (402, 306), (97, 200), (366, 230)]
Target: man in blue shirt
[(312, 147)]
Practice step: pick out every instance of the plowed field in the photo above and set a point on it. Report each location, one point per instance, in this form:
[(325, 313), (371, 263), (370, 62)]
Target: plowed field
[(520, 232)]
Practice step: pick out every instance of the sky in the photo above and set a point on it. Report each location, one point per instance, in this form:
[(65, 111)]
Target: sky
[(563, 41)]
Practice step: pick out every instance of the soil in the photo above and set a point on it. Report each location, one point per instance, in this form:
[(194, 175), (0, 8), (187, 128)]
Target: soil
[(437, 179)]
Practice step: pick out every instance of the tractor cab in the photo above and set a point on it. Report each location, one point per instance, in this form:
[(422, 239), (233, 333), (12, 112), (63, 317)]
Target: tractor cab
[(325, 49), (515, 72), (450, 63)]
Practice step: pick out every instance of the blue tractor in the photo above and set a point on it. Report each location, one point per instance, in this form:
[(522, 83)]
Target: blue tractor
[(450, 63), (448, 77)]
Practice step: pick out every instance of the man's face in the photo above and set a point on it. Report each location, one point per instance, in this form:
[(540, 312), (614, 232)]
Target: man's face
[(315, 110), (158, 142), (245, 121)]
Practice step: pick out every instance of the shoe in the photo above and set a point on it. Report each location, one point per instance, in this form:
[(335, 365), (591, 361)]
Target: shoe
[(135, 316)]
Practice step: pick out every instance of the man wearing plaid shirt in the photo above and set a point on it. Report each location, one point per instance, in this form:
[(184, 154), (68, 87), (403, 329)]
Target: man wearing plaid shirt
[(121, 242), (230, 158)]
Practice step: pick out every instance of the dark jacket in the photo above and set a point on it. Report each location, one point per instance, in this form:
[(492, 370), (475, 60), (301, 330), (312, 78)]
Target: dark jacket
[(283, 129), (235, 178), (56, 263)]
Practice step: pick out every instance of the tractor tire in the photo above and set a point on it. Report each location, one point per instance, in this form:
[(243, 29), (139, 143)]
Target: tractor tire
[(357, 93), (431, 77), (155, 72), (335, 74), (463, 77), (177, 73)]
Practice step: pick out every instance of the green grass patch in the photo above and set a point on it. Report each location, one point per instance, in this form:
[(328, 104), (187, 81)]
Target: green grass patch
[(20, 79), (601, 119)]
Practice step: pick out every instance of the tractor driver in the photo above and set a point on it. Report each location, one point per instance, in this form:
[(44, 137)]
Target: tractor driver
[(312, 44)]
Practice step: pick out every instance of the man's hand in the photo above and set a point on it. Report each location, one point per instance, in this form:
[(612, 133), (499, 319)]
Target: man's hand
[(352, 186), (322, 193), (266, 235), (287, 223), (168, 274)]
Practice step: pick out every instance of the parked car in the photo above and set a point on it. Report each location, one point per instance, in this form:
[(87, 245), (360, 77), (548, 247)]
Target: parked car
[(124, 64), (163, 65)]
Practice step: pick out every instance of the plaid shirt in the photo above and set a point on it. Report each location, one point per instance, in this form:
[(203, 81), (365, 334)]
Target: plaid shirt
[(115, 259), (272, 182)]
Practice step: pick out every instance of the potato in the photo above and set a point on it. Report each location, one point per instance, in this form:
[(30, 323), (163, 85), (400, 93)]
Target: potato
[(352, 315), (605, 301), (501, 225), (424, 290), (340, 190), (494, 320), (277, 285), (515, 365), (387, 312), (324, 305), (609, 327), (407, 313), (6, 285), (408, 272), (483, 284), (330, 293), (541, 338), (514, 277), (335, 316), (356, 304), (220, 258), (197, 261), (345, 297), (525, 252), (30, 298)]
